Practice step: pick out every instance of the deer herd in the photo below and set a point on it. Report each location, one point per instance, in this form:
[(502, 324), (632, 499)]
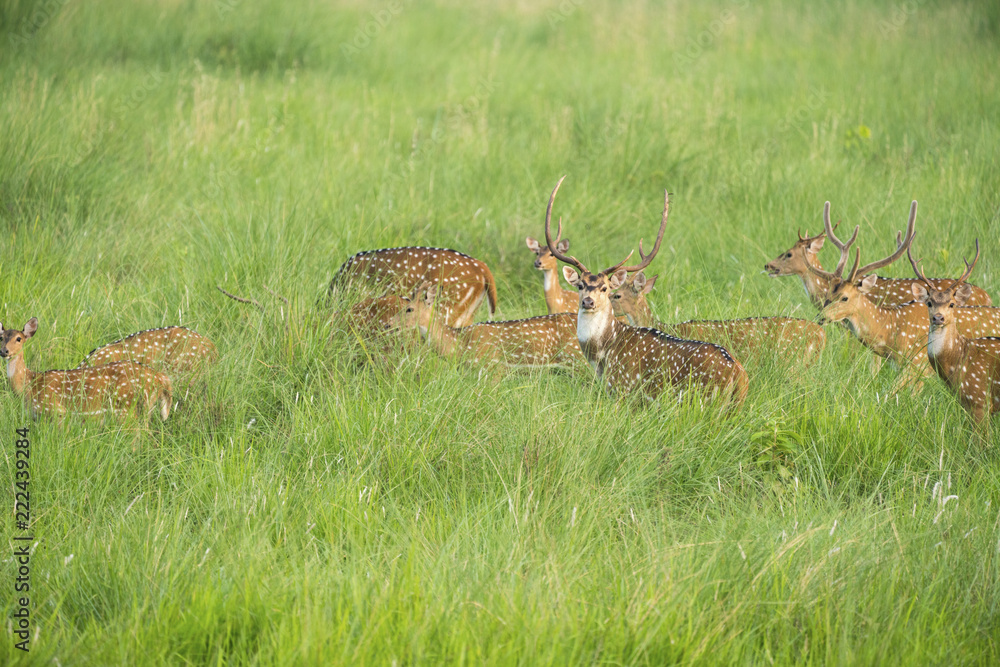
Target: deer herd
[(923, 325)]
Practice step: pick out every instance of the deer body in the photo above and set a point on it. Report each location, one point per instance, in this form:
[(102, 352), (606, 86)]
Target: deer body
[(548, 340), (743, 337), (970, 367), (463, 280), (117, 387), (557, 299), (170, 348)]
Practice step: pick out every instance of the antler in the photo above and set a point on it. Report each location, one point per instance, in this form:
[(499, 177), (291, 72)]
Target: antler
[(969, 267), (916, 268), (845, 248), (646, 259), (902, 243), (569, 259), (813, 238)]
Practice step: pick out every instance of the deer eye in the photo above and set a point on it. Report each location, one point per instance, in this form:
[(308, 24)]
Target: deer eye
[(18, 340), (410, 309), (844, 299), (604, 289), (788, 256), (617, 296), (950, 305)]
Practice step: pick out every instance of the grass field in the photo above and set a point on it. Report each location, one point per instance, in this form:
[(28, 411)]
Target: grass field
[(296, 509)]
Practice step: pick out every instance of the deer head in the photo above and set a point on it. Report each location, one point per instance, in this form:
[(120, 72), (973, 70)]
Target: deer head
[(844, 294), (417, 309), (596, 288), (13, 340), (941, 304), (544, 259), (796, 260), (630, 299)]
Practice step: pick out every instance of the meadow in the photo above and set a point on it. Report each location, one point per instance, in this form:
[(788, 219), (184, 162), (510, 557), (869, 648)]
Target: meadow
[(301, 508)]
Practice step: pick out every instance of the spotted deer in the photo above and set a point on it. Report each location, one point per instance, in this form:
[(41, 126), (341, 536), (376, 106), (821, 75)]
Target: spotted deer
[(117, 388), (173, 349), (969, 366), (548, 340), (557, 299), (464, 281), (804, 256), (897, 332), (646, 360), (745, 337)]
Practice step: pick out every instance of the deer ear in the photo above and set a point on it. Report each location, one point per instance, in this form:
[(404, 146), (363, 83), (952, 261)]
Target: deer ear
[(867, 283), (816, 245), (532, 244), (571, 276), (638, 281), (649, 284), (563, 246), (429, 294), (963, 293), (617, 279), (30, 327), (919, 291)]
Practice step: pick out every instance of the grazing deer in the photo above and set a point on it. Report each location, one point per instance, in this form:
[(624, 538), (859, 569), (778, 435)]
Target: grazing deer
[(548, 340), (801, 258), (557, 299), (969, 366), (176, 349), (628, 358), (117, 387), (464, 281), (744, 337)]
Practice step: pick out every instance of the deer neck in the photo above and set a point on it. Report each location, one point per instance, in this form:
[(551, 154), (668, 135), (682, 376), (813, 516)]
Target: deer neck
[(642, 314), (945, 350), (874, 326), (595, 330), (441, 337), (553, 292), (18, 373), (815, 286)]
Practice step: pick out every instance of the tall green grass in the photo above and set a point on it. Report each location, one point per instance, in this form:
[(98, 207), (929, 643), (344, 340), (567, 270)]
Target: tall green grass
[(300, 508)]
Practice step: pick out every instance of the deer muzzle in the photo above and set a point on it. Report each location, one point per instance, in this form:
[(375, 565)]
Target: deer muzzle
[(587, 303), (937, 320)]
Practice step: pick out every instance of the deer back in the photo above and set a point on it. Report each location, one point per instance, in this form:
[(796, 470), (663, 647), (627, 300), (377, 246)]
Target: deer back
[(535, 341), (117, 387), (171, 348), (463, 281)]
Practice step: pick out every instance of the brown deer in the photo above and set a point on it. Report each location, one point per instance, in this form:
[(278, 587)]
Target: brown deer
[(895, 332), (464, 281), (969, 366), (118, 387), (801, 258), (630, 359), (548, 340), (175, 349), (744, 337), (557, 299)]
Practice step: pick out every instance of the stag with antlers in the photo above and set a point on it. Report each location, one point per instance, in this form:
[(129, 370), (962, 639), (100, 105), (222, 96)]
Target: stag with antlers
[(117, 388), (969, 366), (630, 359), (803, 257)]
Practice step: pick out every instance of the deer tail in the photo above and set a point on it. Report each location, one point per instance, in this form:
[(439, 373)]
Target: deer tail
[(491, 292)]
